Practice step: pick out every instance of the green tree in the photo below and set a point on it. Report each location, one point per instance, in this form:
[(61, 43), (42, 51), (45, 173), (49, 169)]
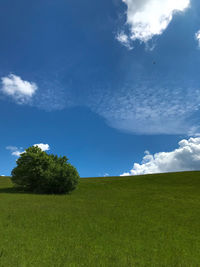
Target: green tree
[(39, 172)]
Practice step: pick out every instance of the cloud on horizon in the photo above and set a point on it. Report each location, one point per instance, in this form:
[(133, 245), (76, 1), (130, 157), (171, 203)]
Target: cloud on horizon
[(44, 147), (15, 151), (20, 90), (185, 158), (148, 18)]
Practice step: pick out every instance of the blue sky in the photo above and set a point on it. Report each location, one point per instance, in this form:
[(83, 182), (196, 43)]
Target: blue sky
[(105, 83)]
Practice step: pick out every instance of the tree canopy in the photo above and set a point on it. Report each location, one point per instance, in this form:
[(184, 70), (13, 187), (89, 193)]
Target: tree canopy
[(39, 172)]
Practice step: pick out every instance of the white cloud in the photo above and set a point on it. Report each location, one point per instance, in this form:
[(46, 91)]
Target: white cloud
[(197, 37), (148, 18), (124, 40), (185, 158), (44, 147), (51, 96), (15, 151), (21, 91)]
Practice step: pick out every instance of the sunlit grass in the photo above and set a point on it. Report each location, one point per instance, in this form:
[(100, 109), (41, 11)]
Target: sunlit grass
[(151, 220)]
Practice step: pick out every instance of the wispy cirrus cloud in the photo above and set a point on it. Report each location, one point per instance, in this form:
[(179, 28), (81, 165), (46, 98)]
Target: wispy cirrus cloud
[(52, 96), (149, 109), (148, 18), (185, 158)]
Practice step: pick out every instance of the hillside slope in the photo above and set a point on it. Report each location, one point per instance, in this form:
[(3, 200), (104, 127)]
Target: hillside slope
[(151, 220)]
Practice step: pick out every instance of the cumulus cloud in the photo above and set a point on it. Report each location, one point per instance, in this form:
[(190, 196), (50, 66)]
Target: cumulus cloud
[(21, 91), (197, 37), (15, 151), (147, 18), (51, 96), (185, 158), (44, 147)]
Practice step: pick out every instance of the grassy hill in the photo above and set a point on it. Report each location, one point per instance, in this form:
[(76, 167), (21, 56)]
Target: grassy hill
[(151, 220)]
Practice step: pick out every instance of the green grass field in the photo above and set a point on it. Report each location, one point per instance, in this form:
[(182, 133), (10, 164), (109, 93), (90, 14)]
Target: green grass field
[(151, 220)]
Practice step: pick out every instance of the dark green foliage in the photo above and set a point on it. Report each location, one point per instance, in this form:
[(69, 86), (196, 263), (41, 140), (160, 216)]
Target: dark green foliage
[(39, 172)]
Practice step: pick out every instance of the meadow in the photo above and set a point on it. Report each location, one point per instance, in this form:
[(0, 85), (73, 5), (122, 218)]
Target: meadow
[(150, 220)]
